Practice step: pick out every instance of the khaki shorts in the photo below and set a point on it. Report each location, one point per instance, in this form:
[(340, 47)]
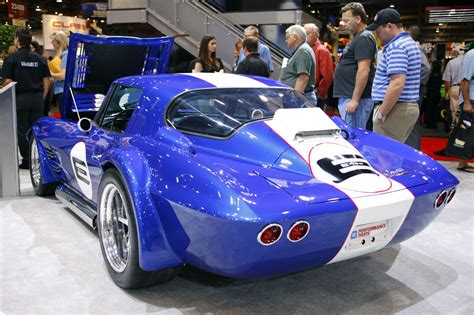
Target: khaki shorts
[(454, 104), (399, 122)]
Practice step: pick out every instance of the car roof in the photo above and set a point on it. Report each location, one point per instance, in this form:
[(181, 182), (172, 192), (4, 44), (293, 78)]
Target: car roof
[(174, 84)]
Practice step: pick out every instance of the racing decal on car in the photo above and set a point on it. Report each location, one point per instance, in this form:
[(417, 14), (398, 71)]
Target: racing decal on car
[(81, 169), (343, 166), (228, 80)]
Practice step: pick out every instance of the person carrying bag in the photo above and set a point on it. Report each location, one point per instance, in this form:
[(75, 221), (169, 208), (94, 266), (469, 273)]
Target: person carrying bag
[(461, 139)]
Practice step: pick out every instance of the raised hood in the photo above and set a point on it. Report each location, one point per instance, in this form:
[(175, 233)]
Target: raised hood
[(94, 62)]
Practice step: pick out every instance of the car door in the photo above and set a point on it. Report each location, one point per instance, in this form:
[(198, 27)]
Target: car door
[(106, 133)]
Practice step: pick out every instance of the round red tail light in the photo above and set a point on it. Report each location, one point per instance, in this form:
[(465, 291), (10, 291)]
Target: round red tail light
[(451, 194), (270, 234), (441, 199), (298, 231)]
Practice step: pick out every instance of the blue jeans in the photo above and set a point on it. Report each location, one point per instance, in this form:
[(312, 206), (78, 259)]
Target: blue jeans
[(311, 96), (362, 114)]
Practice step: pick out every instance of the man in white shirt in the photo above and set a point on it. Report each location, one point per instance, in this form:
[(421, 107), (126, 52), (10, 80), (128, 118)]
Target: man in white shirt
[(452, 81)]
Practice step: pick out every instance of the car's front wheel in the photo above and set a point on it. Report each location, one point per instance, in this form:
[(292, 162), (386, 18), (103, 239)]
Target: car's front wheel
[(119, 239), (36, 172)]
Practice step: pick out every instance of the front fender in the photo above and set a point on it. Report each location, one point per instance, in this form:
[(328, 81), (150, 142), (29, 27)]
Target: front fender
[(155, 251)]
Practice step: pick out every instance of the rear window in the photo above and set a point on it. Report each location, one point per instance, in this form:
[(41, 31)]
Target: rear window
[(219, 112)]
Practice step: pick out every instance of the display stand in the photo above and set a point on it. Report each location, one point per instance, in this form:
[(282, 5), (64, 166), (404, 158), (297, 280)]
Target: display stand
[(9, 176)]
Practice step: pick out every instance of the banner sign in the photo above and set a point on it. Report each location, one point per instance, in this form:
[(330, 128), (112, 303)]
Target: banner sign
[(17, 10), (21, 23), (67, 24)]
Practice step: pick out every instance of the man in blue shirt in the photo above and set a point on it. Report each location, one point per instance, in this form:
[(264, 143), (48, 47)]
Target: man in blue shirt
[(263, 50), (395, 90)]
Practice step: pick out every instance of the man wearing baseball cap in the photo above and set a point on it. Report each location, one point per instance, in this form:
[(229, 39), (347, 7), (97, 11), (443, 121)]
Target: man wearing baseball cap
[(396, 86)]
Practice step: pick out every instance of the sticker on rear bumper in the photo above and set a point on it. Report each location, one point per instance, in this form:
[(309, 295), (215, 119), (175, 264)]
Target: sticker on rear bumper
[(365, 235)]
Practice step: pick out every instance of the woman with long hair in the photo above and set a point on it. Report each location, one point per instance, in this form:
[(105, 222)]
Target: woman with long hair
[(57, 67), (207, 60)]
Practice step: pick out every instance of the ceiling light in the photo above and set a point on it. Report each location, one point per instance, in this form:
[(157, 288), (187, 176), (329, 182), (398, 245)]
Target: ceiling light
[(60, 14), (59, 0), (437, 30), (440, 24), (392, 6), (38, 8)]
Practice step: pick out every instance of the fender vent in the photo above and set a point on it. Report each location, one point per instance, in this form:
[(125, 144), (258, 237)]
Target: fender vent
[(50, 153), (54, 160), (56, 168)]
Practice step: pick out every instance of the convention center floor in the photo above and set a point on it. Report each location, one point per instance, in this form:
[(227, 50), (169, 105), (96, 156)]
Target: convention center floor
[(50, 263)]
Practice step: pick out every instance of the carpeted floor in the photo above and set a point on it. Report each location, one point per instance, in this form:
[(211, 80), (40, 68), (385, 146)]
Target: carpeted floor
[(431, 145)]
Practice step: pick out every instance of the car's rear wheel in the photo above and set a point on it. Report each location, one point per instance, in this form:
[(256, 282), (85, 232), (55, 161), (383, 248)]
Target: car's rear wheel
[(36, 172), (118, 236)]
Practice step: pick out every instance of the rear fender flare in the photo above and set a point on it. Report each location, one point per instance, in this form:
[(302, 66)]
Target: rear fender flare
[(155, 251)]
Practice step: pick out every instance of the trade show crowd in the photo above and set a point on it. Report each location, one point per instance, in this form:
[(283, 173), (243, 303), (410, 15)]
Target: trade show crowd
[(370, 89)]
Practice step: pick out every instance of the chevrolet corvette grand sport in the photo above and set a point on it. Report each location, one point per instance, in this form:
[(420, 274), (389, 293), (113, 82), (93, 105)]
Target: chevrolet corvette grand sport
[(240, 176)]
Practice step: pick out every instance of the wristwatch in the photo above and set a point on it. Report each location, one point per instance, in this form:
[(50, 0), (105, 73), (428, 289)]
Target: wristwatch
[(379, 116)]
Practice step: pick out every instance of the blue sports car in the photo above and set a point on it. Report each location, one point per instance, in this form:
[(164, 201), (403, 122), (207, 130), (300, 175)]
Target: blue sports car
[(240, 176)]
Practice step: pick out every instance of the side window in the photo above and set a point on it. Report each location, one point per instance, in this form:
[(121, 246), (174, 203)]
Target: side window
[(120, 108)]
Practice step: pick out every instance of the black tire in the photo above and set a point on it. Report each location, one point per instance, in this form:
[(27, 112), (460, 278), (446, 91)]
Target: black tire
[(121, 259), (36, 172)]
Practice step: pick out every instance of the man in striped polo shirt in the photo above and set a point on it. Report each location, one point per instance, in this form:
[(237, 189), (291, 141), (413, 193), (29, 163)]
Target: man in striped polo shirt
[(396, 86)]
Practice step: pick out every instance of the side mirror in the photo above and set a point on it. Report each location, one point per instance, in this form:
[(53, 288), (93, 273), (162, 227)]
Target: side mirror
[(84, 124)]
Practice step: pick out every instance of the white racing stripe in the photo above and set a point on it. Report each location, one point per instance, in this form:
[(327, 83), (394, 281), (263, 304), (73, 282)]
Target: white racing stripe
[(223, 80), (380, 201)]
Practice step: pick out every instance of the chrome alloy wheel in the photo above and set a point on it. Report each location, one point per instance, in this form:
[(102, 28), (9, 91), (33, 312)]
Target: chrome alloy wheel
[(35, 164), (114, 227)]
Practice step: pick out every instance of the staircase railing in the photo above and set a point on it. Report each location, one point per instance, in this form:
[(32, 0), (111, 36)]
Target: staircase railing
[(274, 49), (196, 18)]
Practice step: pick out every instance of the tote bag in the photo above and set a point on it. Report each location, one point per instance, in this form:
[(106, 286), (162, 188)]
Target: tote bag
[(461, 140)]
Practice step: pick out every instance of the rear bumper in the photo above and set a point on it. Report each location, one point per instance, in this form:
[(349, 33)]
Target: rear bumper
[(229, 247)]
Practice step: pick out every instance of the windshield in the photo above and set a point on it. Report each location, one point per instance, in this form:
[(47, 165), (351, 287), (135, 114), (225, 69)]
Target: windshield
[(219, 112)]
